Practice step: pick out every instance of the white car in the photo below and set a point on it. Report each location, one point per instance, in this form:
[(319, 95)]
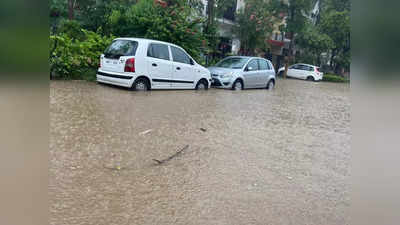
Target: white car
[(143, 64), (240, 72), (303, 71)]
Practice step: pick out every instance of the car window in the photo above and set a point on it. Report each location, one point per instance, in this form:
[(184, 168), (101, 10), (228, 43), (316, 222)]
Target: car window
[(295, 67), (263, 64), (233, 62), (307, 68), (120, 48), (271, 66), (302, 67), (253, 64), (159, 51), (179, 56)]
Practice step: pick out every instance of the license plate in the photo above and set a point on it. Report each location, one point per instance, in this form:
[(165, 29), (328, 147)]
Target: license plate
[(111, 61)]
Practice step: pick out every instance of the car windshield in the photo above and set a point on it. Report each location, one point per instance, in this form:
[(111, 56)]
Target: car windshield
[(233, 63), (120, 48)]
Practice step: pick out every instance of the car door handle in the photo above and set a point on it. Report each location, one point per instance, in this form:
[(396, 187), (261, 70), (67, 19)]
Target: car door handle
[(178, 68), (154, 64)]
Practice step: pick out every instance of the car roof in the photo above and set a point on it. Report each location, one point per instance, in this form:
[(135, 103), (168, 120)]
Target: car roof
[(146, 40), (305, 64), (245, 57)]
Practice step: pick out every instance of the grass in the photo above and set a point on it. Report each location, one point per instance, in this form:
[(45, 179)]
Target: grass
[(334, 78)]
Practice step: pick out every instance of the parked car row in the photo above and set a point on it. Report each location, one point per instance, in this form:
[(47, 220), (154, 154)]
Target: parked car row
[(143, 64)]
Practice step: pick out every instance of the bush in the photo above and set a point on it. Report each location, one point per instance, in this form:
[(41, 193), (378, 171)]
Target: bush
[(334, 78), (170, 21), (71, 28), (72, 58)]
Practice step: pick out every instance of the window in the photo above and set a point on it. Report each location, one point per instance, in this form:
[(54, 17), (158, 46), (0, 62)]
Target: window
[(253, 64), (264, 65), (305, 67), (120, 48), (180, 56), (294, 67), (159, 51), (232, 62)]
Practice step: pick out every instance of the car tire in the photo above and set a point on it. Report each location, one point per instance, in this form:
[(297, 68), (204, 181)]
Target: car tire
[(202, 85), (270, 85), (141, 84), (310, 78), (237, 85)]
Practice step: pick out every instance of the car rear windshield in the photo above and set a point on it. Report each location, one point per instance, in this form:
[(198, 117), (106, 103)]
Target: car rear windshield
[(233, 63), (120, 48)]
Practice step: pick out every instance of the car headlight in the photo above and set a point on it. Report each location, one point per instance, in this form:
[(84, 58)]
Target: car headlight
[(229, 75)]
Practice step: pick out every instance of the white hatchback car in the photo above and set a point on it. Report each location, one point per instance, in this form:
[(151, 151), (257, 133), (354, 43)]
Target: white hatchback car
[(143, 64), (303, 71)]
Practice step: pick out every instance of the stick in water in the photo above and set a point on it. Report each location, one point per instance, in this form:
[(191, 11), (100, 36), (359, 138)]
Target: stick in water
[(172, 156)]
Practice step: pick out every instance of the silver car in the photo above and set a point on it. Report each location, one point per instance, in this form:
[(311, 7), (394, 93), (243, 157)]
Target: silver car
[(240, 72)]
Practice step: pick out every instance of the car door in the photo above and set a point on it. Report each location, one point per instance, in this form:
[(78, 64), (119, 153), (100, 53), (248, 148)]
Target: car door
[(303, 71), (265, 72), (250, 74), (184, 73), (159, 65), (294, 71), (308, 72)]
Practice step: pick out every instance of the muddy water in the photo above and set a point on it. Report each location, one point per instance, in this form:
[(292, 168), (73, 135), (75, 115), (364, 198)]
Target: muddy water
[(265, 157)]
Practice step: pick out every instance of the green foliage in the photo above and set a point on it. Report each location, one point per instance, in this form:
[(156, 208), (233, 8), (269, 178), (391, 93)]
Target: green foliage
[(173, 23), (255, 24), (336, 25), (295, 11), (72, 58), (71, 28), (313, 43), (337, 5), (334, 78)]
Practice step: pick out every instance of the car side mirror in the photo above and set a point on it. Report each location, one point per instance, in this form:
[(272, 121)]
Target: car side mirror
[(249, 68)]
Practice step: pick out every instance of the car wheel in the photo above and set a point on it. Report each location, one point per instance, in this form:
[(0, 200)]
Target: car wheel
[(202, 85), (237, 86), (141, 84), (270, 85), (310, 78)]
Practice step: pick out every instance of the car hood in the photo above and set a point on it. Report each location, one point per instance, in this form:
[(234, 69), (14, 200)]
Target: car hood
[(220, 70)]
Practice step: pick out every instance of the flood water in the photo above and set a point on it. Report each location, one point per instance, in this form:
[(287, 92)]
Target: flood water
[(254, 156)]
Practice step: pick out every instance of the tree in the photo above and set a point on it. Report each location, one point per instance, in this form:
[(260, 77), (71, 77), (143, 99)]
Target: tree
[(335, 22), (172, 21), (336, 25), (254, 24), (215, 8), (296, 11), (71, 9), (313, 42)]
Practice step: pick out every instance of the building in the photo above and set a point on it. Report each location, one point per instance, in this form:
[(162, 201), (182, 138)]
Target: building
[(279, 41), (229, 44)]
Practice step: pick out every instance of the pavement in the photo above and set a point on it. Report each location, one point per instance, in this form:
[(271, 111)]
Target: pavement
[(190, 157)]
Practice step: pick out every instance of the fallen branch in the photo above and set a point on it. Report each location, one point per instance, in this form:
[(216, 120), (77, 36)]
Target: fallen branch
[(171, 157)]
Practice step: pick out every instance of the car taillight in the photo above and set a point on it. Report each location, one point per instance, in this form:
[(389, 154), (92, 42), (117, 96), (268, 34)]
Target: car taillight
[(130, 65), (316, 69)]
